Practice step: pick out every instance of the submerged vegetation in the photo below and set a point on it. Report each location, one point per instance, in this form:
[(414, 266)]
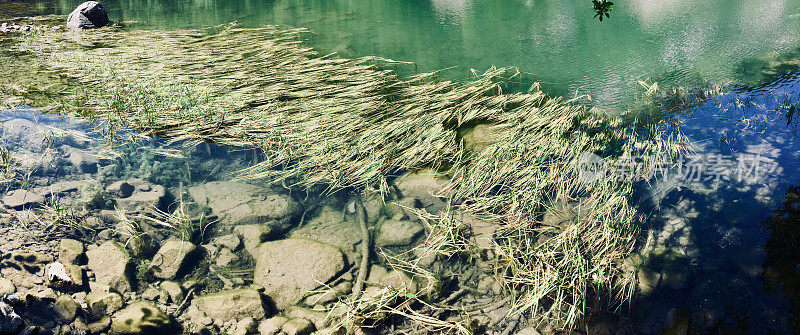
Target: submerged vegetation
[(349, 123)]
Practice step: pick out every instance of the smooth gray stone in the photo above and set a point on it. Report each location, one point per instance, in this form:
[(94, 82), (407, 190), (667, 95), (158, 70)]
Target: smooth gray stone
[(88, 15)]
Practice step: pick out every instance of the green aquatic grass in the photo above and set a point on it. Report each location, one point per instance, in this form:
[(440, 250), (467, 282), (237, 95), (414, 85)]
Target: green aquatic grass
[(349, 123)]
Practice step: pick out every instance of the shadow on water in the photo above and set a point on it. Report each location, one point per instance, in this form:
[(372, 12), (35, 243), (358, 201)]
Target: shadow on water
[(783, 252), (706, 263)]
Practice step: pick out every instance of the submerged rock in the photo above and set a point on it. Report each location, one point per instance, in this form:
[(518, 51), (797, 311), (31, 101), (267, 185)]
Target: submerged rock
[(143, 197), (382, 277), (528, 331), (152, 294), (83, 160), (120, 189), (318, 317), (64, 275), (423, 185), (18, 199), (103, 302), (22, 134), (7, 287), (173, 290), (564, 214), (482, 230), (230, 241), (252, 236), (288, 269), (66, 308), (99, 326), (241, 203), (10, 321), (398, 233), (57, 273), (480, 137), (111, 265), (322, 298), (91, 196), (330, 227), (140, 318), (225, 257), (298, 327), (272, 325), (170, 258), (70, 251), (245, 326), (88, 15), (231, 305)]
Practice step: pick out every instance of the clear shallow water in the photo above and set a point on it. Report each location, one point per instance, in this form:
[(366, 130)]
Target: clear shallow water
[(718, 227), (556, 42)]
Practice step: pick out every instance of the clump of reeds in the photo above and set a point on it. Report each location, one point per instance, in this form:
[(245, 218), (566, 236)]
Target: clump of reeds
[(347, 123), (7, 165)]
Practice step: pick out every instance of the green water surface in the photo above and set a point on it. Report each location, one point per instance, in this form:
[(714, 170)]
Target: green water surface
[(555, 42)]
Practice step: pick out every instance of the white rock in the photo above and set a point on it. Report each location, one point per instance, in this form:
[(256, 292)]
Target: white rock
[(57, 272)]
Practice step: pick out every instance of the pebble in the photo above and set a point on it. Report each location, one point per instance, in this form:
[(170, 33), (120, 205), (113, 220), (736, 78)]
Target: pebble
[(5, 27)]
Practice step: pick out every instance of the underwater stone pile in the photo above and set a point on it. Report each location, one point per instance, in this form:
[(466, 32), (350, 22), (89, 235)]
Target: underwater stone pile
[(86, 246)]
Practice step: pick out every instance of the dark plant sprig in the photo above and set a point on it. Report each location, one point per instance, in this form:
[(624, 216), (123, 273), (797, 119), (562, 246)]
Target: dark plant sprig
[(602, 8)]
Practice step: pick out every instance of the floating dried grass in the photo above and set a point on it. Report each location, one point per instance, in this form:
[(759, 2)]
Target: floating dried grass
[(348, 123)]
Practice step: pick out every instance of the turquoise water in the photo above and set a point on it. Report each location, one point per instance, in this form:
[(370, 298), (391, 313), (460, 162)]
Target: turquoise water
[(556, 42)]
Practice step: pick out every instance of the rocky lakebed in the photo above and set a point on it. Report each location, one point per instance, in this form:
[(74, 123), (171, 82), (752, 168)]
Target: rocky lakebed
[(151, 237)]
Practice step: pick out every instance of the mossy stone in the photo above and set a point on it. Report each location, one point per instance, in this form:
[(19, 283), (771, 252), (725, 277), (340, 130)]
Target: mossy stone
[(140, 317)]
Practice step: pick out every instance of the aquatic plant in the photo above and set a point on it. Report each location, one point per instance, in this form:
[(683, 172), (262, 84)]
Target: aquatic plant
[(6, 165), (602, 8), (348, 123), (179, 222), (136, 239), (54, 214), (92, 195)]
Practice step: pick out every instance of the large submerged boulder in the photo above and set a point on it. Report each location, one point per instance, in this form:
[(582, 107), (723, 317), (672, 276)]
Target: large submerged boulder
[(22, 135), (88, 15), (19, 199), (288, 269), (241, 204)]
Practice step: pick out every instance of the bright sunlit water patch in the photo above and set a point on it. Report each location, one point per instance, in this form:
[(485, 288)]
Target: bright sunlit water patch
[(554, 42)]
